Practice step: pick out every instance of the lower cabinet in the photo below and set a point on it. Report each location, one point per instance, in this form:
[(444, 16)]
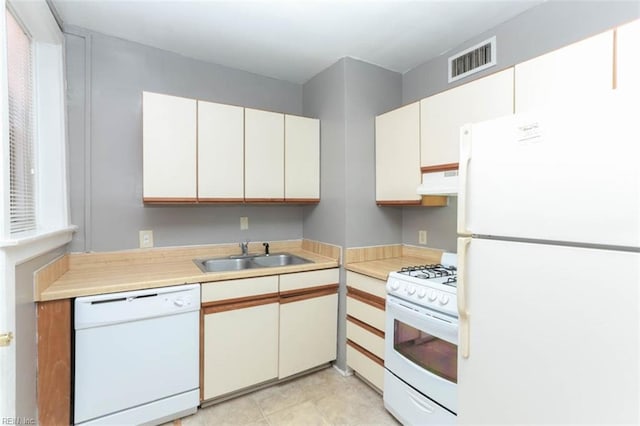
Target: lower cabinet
[(365, 327), (257, 330), (239, 334), (240, 346), (308, 333), (308, 320)]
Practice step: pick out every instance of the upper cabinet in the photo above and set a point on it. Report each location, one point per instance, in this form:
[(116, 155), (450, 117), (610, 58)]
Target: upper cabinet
[(205, 152), (302, 159), (565, 75), (398, 156), (628, 56), (220, 152), (264, 156), (169, 149), (442, 115)]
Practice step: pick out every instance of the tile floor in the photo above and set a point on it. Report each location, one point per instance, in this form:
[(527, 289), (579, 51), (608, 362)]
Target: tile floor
[(322, 398)]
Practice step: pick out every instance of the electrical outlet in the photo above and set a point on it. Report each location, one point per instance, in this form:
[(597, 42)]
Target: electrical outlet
[(146, 239), (244, 223), (422, 237)]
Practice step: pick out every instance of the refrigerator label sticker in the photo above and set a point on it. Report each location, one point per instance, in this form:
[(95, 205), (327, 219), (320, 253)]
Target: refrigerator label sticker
[(529, 132)]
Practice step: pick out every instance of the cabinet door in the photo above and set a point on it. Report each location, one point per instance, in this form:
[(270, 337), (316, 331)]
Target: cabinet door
[(628, 56), (398, 156), (570, 74), (308, 333), (240, 348), (442, 115), (220, 152), (264, 156), (169, 148), (302, 159)]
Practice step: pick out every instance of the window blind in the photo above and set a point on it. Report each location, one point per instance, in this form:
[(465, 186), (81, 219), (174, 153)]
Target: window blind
[(22, 215)]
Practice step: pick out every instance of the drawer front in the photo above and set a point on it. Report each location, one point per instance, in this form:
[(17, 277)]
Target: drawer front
[(367, 284), (365, 338), (366, 313), (236, 289), (308, 279), (365, 367)]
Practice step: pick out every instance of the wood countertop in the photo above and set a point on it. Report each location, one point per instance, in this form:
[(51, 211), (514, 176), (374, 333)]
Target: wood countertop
[(86, 274), (377, 262)]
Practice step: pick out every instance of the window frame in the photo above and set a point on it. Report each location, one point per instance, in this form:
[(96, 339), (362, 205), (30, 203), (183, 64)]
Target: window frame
[(49, 136)]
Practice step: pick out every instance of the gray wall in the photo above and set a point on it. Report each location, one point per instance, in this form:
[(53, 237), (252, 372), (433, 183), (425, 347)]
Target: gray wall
[(346, 97), (439, 222), (26, 338), (544, 28), (370, 91), (324, 97), (106, 77)]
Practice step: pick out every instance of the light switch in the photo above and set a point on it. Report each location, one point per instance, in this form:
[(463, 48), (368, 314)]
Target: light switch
[(244, 223), (146, 239), (422, 237)]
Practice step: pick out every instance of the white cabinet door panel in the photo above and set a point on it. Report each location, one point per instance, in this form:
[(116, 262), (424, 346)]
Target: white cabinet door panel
[(366, 313), (398, 154), (169, 147), (264, 155), (442, 115), (302, 158), (628, 56), (366, 367), (240, 348), (220, 152), (367, 284), (365, 338), (567, 75), (308, 334)]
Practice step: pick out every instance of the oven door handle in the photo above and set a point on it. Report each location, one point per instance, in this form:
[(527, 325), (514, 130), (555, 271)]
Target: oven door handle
[(421, 405), (463, 309)]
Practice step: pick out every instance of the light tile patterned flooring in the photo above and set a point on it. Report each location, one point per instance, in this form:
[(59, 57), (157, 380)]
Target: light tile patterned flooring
[(322, 398)]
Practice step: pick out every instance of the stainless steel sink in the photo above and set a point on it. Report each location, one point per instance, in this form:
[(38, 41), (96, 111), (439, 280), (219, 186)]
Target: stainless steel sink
[(224, 264), (280, 259), (240, 263)]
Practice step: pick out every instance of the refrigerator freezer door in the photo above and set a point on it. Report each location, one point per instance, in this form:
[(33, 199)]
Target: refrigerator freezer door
[(568, 175), (553, 335)]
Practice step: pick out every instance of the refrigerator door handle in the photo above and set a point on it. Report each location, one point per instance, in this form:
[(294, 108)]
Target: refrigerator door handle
[(463, 312), (463, 166)]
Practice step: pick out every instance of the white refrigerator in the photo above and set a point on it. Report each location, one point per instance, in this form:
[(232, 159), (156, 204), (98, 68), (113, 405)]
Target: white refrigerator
[(549, 266)]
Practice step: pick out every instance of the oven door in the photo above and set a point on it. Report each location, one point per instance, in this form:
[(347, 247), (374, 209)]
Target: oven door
[(421, 348)]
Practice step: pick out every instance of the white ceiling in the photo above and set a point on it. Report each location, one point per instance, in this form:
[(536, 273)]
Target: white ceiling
[(295, 40)]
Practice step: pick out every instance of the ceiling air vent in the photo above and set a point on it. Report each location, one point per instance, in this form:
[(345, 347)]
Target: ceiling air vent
[(474, 59)]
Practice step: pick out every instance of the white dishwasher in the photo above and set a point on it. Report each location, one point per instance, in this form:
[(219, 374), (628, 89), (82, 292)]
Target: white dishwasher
[(137, 356)]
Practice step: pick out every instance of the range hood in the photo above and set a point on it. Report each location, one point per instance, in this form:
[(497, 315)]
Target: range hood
[(439, 183)]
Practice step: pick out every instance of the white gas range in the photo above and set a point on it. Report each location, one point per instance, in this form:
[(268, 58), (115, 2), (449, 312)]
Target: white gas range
[(421, 343), (432, 285)]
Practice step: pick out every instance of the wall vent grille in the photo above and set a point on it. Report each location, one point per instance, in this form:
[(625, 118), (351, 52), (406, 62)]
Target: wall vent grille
[(472, 60)]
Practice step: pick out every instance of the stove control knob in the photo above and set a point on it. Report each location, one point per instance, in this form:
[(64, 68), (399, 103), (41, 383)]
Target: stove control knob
[(444, 299), (395, 285), (432, 295), (422, 293), (411, 290)]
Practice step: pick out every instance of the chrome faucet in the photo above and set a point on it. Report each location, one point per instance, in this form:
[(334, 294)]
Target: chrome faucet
[(245, 248)]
